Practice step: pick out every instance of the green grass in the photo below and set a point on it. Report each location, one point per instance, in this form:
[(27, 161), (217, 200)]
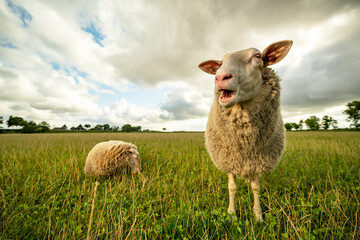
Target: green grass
[(313, 194)]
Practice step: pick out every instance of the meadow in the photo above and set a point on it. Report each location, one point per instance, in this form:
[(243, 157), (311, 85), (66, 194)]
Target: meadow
[(313, 194)]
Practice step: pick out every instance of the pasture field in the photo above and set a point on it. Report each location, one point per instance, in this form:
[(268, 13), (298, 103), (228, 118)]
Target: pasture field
[(313, 194)]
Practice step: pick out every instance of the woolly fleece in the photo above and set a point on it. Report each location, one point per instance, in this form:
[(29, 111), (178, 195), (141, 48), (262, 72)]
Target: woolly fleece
[(248, 138), (108, 158)]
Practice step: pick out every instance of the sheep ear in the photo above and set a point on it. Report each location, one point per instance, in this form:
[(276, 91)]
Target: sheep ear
[(275, 52), (210, 66)]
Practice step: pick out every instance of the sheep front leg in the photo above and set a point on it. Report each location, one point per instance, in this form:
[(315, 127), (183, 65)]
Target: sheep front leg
[(232, 190), (255, 185)]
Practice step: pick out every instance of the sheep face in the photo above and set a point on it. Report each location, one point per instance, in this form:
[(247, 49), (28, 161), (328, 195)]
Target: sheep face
[(134, 161), (238, 79), (238, 76)]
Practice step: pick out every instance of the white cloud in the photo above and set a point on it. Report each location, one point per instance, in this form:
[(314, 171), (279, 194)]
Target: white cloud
[(123, 112), (186, 103)]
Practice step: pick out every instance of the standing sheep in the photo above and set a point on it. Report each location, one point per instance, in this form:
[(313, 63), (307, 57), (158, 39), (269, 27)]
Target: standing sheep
[(112, 157), (244, 134)]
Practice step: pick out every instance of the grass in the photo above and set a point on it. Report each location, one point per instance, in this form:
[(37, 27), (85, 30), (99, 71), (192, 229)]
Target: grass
[(313, 194)]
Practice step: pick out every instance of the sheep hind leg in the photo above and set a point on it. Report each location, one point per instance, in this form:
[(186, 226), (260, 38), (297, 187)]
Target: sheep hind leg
[(232, 190), (255, 185)]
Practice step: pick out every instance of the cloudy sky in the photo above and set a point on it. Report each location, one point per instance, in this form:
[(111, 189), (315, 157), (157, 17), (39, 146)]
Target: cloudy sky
[(135, 61)]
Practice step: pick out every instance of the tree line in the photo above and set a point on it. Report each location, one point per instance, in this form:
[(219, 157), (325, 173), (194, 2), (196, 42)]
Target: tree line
[(314, 123), (25, 126)]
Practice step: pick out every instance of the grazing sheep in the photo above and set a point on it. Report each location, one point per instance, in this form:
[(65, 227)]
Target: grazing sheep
[(244, 134), (112, 157)]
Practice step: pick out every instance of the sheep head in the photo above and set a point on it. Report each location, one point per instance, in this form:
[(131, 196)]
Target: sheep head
[(134, 161), (238, 76)]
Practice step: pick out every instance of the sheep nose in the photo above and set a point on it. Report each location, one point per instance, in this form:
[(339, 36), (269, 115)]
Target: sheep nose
[(223, 77)]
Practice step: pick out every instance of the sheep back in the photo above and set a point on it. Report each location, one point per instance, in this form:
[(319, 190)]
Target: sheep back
[(108, 158), (248, 138)]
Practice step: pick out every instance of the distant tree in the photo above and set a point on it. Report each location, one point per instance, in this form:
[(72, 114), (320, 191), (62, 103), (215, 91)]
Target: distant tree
[(295, 126), (301, 124), (126, 128), (334, 124), (327, 122), (288, 126), (87, 126), (16, 121), (115, 128), (98, 127), (64, 127), (164, 129), (44, 124), (1, 122), (106, 127), (44, 127), (136, 129), (353, 112), (30, 127), (313, 123)]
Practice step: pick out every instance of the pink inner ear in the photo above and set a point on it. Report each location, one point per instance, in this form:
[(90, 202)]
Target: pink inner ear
[(275, 52), (210, 66)]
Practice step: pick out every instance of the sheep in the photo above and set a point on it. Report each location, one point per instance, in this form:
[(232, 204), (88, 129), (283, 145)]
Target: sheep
[(244, 134), (112, 157)]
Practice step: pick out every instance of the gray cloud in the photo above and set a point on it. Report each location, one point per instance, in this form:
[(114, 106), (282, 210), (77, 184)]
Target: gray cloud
[(176, 37), (7, 75), (178, 106), (325, 78)]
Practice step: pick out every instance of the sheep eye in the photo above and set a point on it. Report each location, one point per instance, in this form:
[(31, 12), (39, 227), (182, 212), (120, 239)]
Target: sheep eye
[(258, 55)]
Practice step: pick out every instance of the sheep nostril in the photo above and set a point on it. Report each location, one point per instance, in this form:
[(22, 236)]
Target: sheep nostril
[(228, 76), (223, 77)]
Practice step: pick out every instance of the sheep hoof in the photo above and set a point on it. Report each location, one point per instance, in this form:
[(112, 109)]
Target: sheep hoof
[(259, 217), (232, 214), (231, 211)]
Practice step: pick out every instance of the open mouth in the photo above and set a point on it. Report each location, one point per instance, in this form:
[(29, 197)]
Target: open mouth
[(226, 95)]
